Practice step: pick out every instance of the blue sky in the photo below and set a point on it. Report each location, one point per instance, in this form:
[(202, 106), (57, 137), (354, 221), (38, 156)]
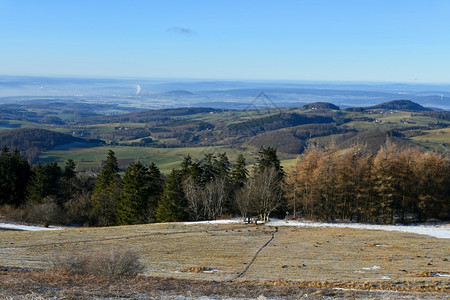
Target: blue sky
[(320, 40)]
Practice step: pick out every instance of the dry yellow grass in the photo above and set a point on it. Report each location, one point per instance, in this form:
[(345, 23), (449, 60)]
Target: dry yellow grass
[(303, 256)]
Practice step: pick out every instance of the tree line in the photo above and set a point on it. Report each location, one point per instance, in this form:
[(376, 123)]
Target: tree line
[(198, 190), (392, 185)]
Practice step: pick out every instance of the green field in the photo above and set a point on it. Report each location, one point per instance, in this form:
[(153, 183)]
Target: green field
[(437, 139), (166, 158)]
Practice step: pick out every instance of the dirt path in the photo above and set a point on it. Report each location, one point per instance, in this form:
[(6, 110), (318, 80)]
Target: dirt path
[(241, 274)]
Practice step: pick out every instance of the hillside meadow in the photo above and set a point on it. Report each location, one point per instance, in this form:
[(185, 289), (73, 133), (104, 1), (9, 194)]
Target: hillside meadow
[(306, 257), (90, 158)]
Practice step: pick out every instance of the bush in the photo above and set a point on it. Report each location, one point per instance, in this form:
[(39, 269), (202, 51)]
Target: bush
[(12, 213), (45, 213), (110, 264)]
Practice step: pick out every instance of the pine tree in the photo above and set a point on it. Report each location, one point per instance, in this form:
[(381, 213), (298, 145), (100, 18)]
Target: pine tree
[(186, 164), (135, 193), (156, 185), (209, 170), (69, 170), (106, 193), (222, 165), (268, 158), (15, 172), (239, 173), (68, 179), (45, 181), (173, 204)]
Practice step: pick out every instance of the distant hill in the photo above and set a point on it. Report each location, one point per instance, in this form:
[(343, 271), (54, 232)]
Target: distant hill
[(32, 141), (321, 106), (148, 115), (277, 121), (372, 140), (294, 139), (400, 105), (178, 93)]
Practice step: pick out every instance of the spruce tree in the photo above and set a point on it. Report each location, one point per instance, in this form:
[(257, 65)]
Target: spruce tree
[(209, 170), (69, 169), (239, 173), (106, 193), (68, 184), (222, 165), (156, 185), (135, 193), (45, 181), (268, 158), (15, 173), (173, 204)]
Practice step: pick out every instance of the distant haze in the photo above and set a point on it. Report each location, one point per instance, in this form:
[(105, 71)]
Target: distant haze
[(145, 93)]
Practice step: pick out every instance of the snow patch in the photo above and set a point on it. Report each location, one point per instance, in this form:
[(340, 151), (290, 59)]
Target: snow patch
[(228, 221), (372, 268), (27, 227), (441, 231)]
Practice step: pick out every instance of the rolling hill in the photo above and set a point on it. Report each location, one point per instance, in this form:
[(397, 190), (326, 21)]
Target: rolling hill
[(32, 141)]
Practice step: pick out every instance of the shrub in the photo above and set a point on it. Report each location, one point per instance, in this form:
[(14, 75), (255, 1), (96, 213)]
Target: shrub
[(110, 264), (45, 213), (12, 213)]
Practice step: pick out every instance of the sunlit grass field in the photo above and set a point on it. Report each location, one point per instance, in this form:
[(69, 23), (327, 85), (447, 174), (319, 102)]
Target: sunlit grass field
[(90, 158), (325, 256)]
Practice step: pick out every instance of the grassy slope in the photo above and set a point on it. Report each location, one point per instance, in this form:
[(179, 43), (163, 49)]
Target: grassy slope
[(165, 158), (324, 256), (438, 139)]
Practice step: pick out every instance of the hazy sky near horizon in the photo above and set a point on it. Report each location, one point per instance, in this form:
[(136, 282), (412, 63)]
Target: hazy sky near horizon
[(320, 40)]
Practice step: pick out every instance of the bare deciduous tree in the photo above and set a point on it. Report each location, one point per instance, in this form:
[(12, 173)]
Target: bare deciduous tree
[(261, 194), (193, 193)]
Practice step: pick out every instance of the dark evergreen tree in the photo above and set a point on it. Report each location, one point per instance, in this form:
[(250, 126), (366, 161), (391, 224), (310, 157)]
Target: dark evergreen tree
[(195, 172), (186, 164), (45, 181), (239, 173), (15, 172), (209, 170), (68, 188), (135, 194), (69, 170), (268, 158), (156, 185), (106, 193), (222, 165), (172, 206)]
